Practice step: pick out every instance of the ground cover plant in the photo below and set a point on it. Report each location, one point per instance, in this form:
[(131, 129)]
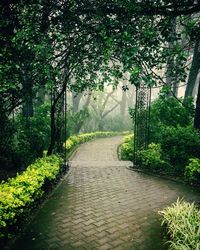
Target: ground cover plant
[(182, 223)]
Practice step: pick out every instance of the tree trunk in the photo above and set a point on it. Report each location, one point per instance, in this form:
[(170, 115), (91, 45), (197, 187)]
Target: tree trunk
[(53, 113), (169, 79), (40, 96), (76, 97), (197, 111), (175, 88), (79, 123), (53, 129), (100, 125), (27, 109), (123, 103), (194, 70)]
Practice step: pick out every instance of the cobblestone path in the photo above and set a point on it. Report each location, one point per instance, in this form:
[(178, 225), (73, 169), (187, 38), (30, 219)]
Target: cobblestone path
[(102, 205)]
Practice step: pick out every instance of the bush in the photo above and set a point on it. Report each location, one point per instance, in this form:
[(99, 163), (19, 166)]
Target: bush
[(182, 221), (18, 193), (75, 140), (150, 159), (126, 148), (6, 138), (168, 111), (31, 136), (192, 171), (179, 145)]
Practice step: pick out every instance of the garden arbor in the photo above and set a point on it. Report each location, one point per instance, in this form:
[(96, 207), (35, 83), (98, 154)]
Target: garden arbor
[(133, 37), (141, 118), (76, 41)]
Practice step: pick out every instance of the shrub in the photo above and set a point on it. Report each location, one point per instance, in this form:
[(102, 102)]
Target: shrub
[(126, 148), (192, 171), (129, 138), (168, 111), (31, 136), (7, 132), (150, 158), (179, 145), (18, 193), (182, 221)]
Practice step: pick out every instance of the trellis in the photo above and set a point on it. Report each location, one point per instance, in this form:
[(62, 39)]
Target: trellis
[(141, 119), (60, 123)]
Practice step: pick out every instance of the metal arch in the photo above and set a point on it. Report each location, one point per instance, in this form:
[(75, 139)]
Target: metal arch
[(61, 123), (65, 127), (141, 119)]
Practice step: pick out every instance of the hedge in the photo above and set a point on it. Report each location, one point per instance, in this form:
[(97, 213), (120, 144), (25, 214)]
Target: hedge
[(19, 193), (182, 221), (16, 194)]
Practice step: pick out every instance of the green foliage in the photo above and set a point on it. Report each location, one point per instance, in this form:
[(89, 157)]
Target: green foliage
[(178, 145), (75, 140), (182, 220), (126, 148), (192, 170), (31, 136), (168, 111), (151, 158), (6, 138), (17, 194), (171, 128)]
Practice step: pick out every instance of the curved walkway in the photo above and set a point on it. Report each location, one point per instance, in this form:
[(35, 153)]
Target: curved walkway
[(102, 205)]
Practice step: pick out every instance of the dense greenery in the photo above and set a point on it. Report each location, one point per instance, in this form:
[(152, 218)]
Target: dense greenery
[(173, 139), (49, 47), (126, 149), (192, 171), (52, 47), (179, 145), (182, 222), (167, 111), (19, 193), (27, 139), (151, 159), (171, 127)]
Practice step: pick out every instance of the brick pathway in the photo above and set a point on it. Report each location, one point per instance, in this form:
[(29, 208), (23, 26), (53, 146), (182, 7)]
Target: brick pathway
[(102, 205)]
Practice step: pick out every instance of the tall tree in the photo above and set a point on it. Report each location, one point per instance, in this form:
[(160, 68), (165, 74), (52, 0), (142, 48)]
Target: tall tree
[(197, 111), (194, 70)]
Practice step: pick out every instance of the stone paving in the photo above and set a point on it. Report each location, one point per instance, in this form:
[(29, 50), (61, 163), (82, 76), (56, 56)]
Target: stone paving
[(103, 205)]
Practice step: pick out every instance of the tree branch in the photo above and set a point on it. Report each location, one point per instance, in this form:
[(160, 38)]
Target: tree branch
[(106, 113)]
